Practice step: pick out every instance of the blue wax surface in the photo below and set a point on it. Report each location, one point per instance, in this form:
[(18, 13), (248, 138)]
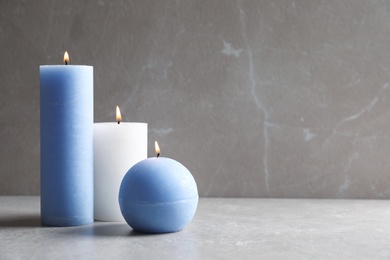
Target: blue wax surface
[(158, 195), (66, 118)]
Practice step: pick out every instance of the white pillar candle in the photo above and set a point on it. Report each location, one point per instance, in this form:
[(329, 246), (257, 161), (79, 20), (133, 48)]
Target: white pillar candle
[(117, 147)]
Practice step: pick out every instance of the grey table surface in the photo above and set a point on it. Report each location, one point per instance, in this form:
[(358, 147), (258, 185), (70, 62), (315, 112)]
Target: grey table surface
[(223, 228)]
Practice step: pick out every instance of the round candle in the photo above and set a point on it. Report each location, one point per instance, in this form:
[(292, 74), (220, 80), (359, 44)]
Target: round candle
[(117, 147), (158, 195), (66, 121)]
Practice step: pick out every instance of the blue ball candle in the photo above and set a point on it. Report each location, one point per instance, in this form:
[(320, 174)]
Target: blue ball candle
[(158, 195), (66, 119)]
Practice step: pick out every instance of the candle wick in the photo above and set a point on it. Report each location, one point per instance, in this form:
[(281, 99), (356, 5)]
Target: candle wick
[(119, 122), (66, 63), (158, 155)]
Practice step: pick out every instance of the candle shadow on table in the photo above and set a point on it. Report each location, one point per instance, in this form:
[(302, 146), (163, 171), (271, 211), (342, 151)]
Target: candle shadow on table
[(20, 221), (134, 233), (106, 229)]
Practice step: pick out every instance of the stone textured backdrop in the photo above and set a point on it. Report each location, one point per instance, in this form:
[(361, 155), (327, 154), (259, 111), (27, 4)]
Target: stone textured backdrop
[(257, 98)]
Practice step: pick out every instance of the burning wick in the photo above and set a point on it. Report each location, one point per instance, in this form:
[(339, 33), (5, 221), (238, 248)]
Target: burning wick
[(157, 148), (118, 115), (66, 58)]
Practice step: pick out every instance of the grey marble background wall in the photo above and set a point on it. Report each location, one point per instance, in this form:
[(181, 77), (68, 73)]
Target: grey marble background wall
[(257, 98)]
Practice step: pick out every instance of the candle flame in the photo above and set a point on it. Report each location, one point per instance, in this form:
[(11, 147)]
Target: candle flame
[(118, 115), (157, 148), (66, 58)]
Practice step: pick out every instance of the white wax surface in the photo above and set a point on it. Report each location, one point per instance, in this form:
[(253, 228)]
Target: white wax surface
[(117, 147)]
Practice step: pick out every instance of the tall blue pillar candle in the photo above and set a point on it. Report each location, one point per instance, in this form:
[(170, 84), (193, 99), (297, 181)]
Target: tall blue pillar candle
[(66, 93)]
